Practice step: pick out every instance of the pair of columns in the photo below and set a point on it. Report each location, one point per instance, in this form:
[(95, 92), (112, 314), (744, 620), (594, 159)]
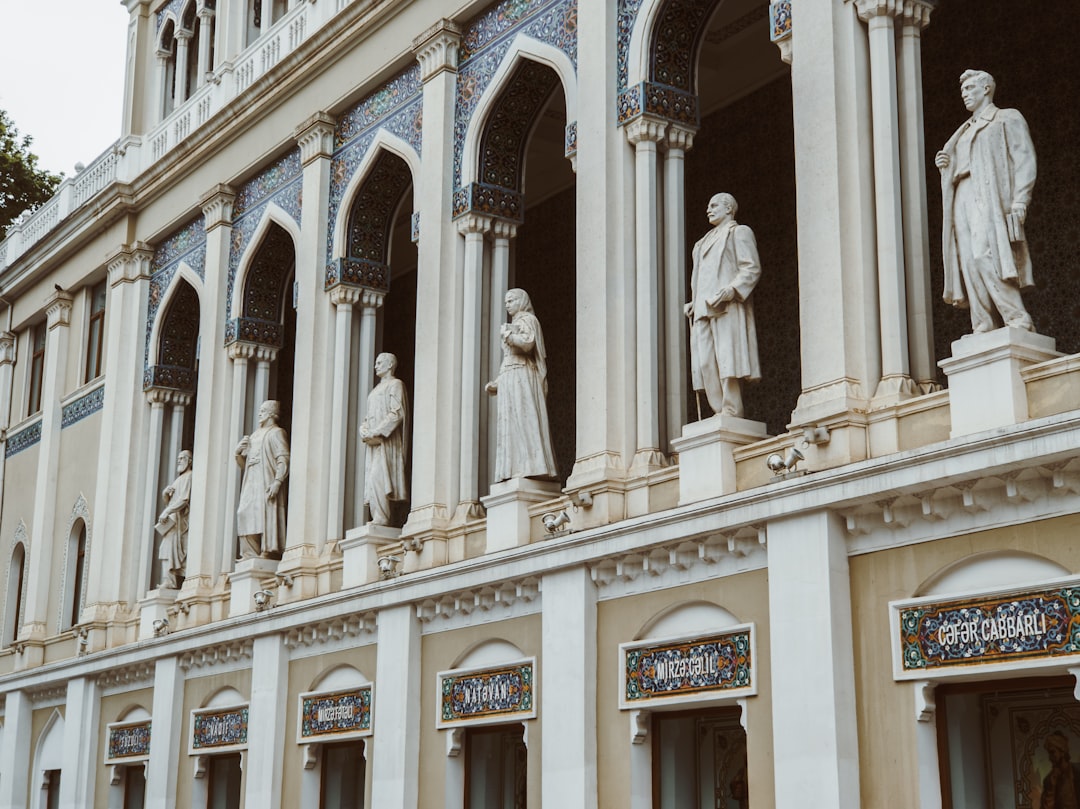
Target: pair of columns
[(180, 90)]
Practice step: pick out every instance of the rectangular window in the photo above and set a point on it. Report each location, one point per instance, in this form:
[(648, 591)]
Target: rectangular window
[(52, 789), (343, 776), (224, 785), (37, 367), (495, 768), (699, 761), (95, 334), (134, 787)]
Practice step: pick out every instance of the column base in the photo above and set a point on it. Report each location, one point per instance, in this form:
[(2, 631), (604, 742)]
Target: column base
[(706, 455), (154, 607), (508, 510), (467, 511), (985, 386), (892, 390), (249, 577), (299, 565), (361, 550), (647, 461)]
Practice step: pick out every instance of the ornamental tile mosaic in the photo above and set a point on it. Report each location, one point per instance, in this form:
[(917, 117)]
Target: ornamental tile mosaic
[(625, 20), (992, 629), (128, 742), (82, 407), (217, 729), (178, 342), (396, 107), (715, 663), (24, 439), (480, 696), (487, 40), (186, 246), (779, 20), (342, 714), (173, 6)]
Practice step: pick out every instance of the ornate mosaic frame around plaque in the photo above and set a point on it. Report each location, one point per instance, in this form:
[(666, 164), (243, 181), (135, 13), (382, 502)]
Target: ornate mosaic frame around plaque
[(737, 646), (138, 748), (917, 656), (518, 706), (198, 714), (307, 730)]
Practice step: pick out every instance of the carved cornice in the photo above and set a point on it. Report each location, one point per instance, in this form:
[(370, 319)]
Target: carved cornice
[(127, 678), (474, 223), (501, 229), (217, 206), (680, 137), (51, 693), (437, 49), (484, 599), (916, 13), (869, 9), (356, 625), (315, 136), (229, 654), (7, 348)]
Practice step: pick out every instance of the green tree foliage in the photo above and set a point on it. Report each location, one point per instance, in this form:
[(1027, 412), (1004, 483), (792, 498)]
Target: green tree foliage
[(22, 184)]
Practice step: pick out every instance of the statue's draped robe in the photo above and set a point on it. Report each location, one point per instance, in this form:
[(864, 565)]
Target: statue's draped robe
[(385, 479), (173, 526), (267, 460)]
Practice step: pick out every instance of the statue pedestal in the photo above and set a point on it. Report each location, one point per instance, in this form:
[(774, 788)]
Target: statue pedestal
[(153, 608), (249, 576), (360, 553), (508, 510), (985, 388), (707, 455)]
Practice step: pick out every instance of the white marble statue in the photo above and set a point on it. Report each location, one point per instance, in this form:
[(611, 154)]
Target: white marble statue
[(987, 173), (385, 431), (173, 524), (523, 437), (723, 338), (264, 457)]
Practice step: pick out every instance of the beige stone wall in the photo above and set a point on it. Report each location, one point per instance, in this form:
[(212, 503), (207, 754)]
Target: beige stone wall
[(197, 692), (112, 708), (887, 761), (746, 596), (38, 719), (440, 651)]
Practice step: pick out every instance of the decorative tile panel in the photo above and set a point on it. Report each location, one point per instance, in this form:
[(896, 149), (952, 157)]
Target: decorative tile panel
[(625, 20), (489, 199), (188, 246), (357, 272), (173, 6), (24, 439), (669, 103), (688, 669), (127, 742), (570, 141), (82, 407), (173, 377), (779, 20), (218, 730), (985, 630), (327, 717), (484, 696)]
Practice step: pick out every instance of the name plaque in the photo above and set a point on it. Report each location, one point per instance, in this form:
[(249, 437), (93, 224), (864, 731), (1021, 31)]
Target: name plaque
[(486, 696), (219, 729), (688, 669), (987, 630), (127, 742), (332, 715)]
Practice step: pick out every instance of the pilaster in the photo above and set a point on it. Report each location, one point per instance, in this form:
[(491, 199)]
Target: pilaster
[(7, 366), (168, 738), (15, 750), (437, 373), (396, 766), (266, 739), (370, 302), (343, 299), (812, 662), (81, 723), (679, 141)]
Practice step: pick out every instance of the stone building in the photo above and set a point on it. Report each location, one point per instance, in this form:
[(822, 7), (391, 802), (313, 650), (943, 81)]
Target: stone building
[(681, 619)]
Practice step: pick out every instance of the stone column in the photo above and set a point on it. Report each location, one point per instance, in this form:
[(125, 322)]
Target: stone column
[(606, 361), (503, 233), (813, 662), (170, 730), (15, 749), (679, 141), (839, 331), (568, 746), (239, 353), (206, 17), (343, 298), (309, 440), (396, 764), (266, 740), (156, 398), (116, 574), (180, 401), (81, 724), (181, 92), (264, 356), (895, 381), (644, 134), (370, 302), (920, 321), (266, 16), (437, 399), (473, 227), (40, 580), (7, 366), (212, 454)]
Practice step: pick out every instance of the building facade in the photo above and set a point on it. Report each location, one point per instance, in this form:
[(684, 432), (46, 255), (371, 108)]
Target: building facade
[(862, 591)]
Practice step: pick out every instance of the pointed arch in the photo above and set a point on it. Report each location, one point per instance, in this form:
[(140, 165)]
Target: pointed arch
[(521, 48), (75, 565), (384, 141), (173, 346), (272, 215), (169, 24), (684, 23)]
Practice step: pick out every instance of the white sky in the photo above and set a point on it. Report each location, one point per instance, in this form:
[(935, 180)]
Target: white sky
[(62, 76)]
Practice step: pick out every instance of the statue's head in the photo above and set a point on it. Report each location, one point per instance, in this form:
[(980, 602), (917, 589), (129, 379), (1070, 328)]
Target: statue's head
[(183, 461), (977, 89), (722, 206), (517, 300), (385, 363), (1057, 746), (270, 409)]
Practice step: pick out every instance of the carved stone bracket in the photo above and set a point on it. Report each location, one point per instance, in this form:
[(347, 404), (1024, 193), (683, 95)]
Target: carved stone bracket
[(925, 704), (640, 724), (315, 136), (217, 206), (437, 49)]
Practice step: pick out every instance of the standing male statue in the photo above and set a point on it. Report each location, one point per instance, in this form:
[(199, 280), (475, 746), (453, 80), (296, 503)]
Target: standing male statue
[(264, 457), (385, 431), (173, 524), (987, 173), (723, 338)]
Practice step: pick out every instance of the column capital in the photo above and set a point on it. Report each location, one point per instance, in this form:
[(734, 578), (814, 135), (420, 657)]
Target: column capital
[(916, 13), (241, 351), (372, 298), (474, 223), (129, 263), (265, 353), (437, 49), (204, 12), (502, 229), (183, 34), (315, 136), (7, 348), (162, 396), (645, 130), (58, 308), (869, 9), (217, 206), (680, 137)]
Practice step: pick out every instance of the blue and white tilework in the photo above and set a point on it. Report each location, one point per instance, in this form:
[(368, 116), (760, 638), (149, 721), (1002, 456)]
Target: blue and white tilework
[(174, 6), (185, 246), (24, 439), (82, 407)]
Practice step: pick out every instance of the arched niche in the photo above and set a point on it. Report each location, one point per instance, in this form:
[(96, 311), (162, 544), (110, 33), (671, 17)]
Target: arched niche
[(687, 618), (490, 652), (226, 697), (989, 571), (339, 678), (48, 762), (133, 713)]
